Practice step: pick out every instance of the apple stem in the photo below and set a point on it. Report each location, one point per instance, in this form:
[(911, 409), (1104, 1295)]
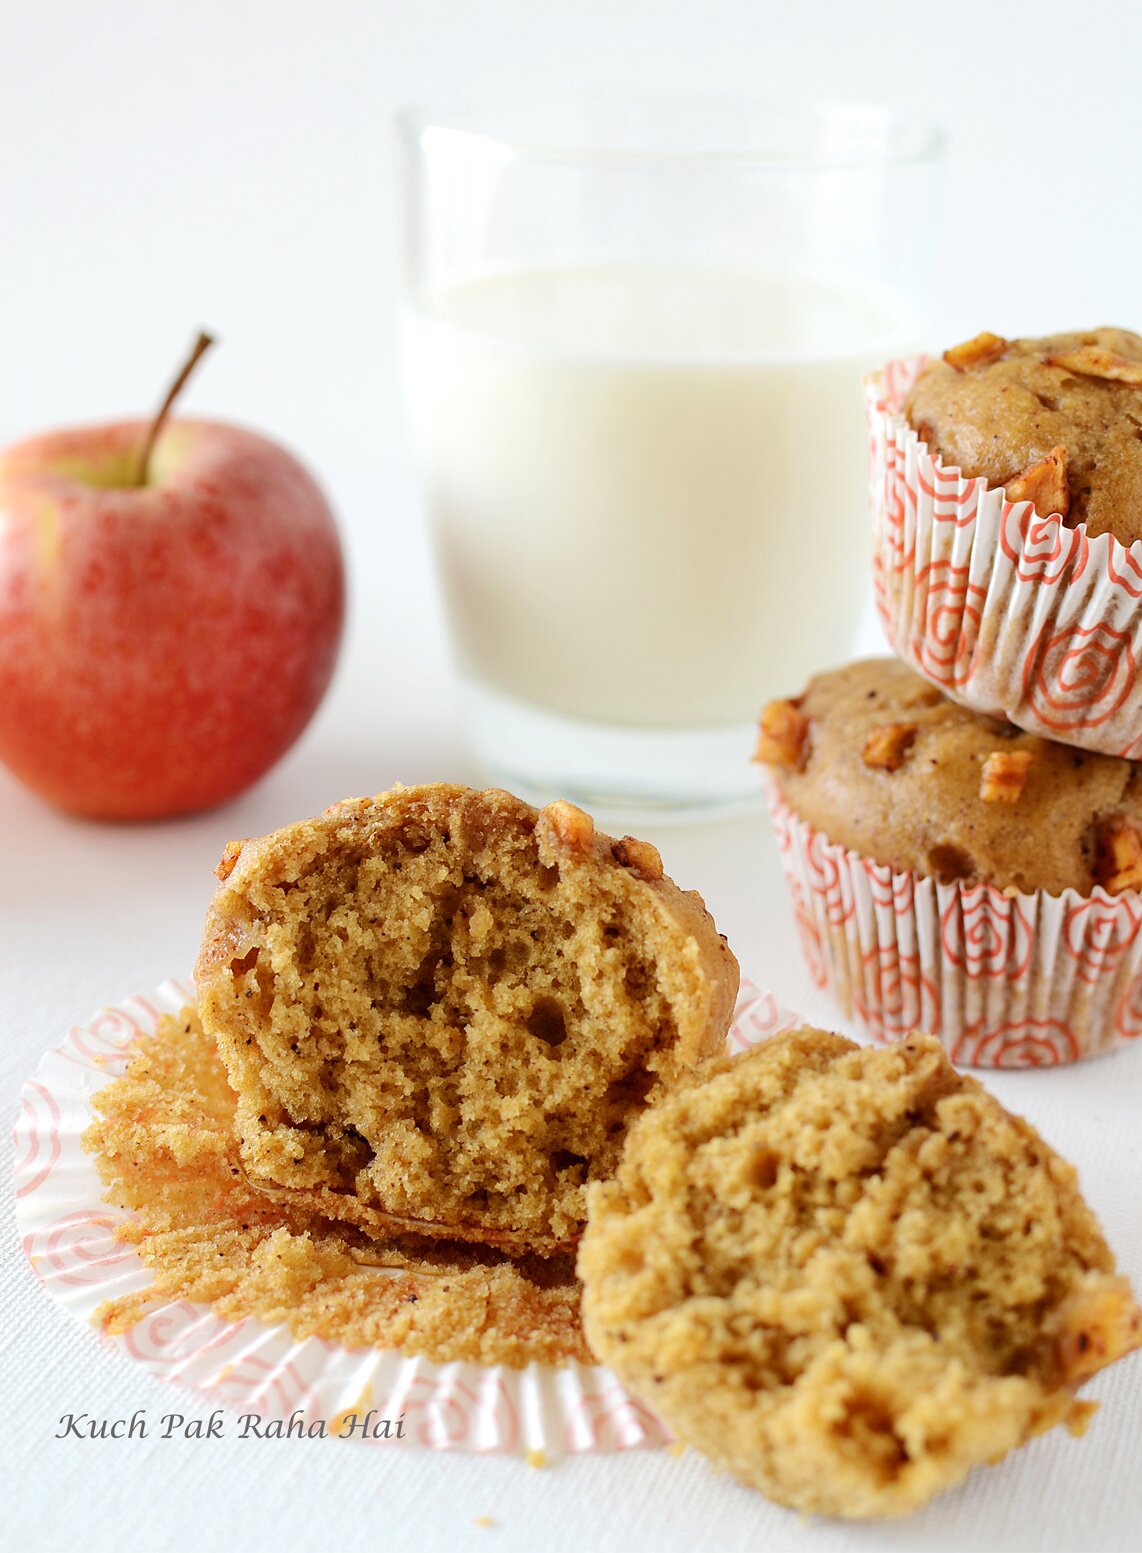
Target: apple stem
[(198, 350)]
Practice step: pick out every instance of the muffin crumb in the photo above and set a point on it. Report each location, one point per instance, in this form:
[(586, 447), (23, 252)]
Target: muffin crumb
[(848, 1275), (165, 1146), (441, 1008)]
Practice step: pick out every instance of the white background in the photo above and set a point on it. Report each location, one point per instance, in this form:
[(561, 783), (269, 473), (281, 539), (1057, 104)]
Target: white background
[(230, 163), (165, 165)]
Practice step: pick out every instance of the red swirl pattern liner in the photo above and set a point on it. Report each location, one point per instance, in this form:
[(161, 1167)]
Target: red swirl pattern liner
[(68, 1235), (1008, 612), (1004, 980)]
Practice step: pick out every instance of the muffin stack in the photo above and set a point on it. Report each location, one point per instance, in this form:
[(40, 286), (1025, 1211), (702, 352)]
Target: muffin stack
[(963, 836)]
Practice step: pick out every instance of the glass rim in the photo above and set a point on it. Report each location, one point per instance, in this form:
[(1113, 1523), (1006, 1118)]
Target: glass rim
[(906, 138)]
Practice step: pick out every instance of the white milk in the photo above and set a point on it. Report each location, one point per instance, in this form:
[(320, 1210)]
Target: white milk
[(647, 484)]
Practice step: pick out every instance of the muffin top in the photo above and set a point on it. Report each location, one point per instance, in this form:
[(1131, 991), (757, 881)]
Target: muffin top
[(884, 764), (848, 1274), (1056, 421)]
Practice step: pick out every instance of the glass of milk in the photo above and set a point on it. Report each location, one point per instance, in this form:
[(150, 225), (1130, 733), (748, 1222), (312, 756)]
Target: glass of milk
[(635, 335)]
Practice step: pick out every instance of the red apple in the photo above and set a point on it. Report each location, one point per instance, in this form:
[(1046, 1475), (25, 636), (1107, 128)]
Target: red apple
[(161, 644)]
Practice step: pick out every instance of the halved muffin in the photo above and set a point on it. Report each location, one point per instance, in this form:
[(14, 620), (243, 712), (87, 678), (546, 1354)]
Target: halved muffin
[(441, 1009), (848, 1274)]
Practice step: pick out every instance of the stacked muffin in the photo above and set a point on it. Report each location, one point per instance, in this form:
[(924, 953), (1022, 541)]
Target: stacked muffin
[(963, 842)]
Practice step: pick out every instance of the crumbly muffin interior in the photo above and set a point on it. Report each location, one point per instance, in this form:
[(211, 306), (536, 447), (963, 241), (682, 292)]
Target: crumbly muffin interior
[(165, 1146), (848, 1274), (421, 1012)]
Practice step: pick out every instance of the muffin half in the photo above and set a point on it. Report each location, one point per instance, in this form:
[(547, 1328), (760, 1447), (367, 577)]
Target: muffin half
[(848, 1274), (440, 1009)]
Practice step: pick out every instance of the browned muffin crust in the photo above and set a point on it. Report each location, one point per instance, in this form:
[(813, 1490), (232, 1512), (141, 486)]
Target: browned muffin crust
[(848, 1274), (441, 1008), (1067, 406), (881, 762)]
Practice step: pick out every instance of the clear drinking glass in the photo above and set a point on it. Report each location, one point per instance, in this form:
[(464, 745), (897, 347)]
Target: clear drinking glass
[(635, 334)]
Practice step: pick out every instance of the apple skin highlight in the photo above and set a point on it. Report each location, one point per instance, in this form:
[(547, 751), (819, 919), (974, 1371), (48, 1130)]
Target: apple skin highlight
[(161, 645)]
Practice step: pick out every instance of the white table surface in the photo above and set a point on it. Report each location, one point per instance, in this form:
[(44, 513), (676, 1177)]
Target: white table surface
[(91, 913)]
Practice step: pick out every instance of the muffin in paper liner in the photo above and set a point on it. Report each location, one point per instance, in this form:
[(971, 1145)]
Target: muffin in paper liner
[(1008, 611), (250, 1366), (1005, 980)]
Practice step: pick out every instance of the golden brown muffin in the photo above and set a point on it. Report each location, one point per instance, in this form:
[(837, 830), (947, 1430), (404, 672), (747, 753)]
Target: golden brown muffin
[(1065, 412), (881, 762), (848, 1274), (440, 1008)]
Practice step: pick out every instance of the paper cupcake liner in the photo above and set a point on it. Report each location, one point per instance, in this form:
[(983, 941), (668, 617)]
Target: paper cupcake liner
[(1008, 612), (1004, 980), (68, 1235)]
